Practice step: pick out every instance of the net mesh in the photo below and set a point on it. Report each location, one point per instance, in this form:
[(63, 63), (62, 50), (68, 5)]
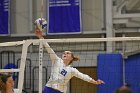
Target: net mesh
[(88, 52)]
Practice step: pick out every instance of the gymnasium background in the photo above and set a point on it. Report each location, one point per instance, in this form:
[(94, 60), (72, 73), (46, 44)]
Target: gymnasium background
[(99, 18)]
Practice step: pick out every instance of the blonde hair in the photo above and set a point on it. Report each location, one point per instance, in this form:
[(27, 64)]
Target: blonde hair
[(75, 58)]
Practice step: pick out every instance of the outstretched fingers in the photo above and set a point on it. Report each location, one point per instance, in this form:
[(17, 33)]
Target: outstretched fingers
[(100, 81)]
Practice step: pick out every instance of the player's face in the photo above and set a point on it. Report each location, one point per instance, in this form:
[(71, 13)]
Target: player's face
[(67, 56), (10, 83)]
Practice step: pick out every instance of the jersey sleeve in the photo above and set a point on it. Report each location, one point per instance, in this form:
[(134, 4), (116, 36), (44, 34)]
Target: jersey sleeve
[(80, 75)]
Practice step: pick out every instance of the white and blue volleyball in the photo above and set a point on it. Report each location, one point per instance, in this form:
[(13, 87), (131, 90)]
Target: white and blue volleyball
[(41, 24)]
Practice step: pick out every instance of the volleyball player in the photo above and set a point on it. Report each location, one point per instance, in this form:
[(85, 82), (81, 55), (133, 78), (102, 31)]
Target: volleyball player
[(61, 71), (6, 83)]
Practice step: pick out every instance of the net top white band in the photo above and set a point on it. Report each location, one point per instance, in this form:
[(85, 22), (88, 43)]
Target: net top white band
[(71, 40), (12, 43)]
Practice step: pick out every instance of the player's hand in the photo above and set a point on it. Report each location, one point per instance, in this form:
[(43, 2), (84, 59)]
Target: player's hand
[(100, 81), (97, 82), (39, 33)]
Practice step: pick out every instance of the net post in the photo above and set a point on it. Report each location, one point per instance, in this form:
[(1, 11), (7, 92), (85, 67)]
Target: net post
[(22, 65)]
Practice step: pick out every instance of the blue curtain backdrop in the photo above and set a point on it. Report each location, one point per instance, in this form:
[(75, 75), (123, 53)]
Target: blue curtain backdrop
[(132, 72), (110, 69), (64, 16), (4, 17)]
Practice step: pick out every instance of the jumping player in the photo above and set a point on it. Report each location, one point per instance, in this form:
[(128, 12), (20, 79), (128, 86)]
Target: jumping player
[(61, 71)]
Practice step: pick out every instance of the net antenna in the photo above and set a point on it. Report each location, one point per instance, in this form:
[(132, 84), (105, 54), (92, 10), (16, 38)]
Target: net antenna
[(41, 53), (40, 66)]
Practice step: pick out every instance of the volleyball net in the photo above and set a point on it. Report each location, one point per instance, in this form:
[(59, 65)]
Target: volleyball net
[(31, 67)]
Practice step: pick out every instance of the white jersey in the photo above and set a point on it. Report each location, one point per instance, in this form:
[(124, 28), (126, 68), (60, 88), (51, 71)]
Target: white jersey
[(61, 74)]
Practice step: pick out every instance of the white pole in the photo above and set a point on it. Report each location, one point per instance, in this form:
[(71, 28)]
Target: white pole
[(22, 65), (40, 65), (109, 25), (123, 43)]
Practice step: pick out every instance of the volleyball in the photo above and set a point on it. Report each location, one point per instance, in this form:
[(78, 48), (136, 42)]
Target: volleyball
[(41, 24)]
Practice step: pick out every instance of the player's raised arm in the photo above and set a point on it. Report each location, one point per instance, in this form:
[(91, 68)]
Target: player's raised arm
[(52, 54)]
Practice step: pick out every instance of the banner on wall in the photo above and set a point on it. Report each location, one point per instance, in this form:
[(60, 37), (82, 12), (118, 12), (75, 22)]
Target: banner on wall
[(4, 17), (64, 16)]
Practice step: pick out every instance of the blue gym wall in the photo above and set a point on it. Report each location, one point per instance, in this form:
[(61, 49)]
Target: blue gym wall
[(133, 72), (109, 69)]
